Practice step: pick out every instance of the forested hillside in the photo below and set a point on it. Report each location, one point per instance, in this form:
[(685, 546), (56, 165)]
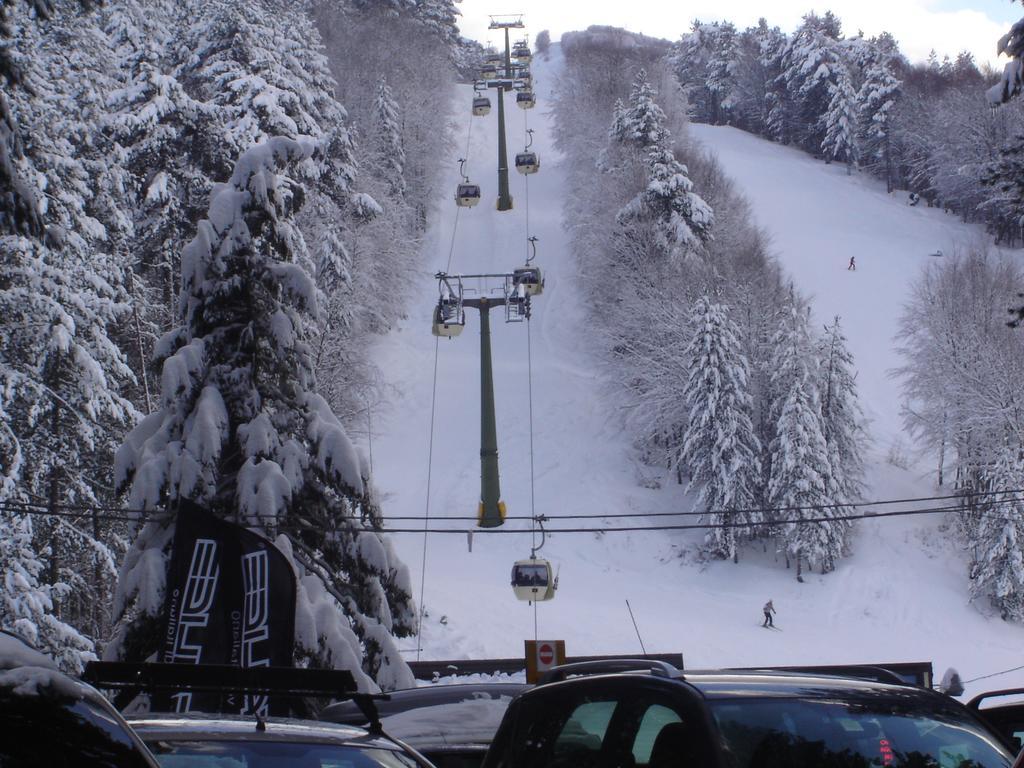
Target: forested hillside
[(710, 347), (180, 287)]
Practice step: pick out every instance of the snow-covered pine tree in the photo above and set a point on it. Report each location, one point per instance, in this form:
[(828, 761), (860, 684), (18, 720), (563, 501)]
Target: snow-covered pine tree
[(841, 416), (27, 602), (172, 152), (704, 61), (779, 108), (1012, 81), (389, 151), (719, 447), (840, 119), (812, 63), (800, 473), (997, 572), (800, 478), (62, 374), (643, 121), (1005, 176), (877, 98), (543, 42), (242, 431), (682, 220)]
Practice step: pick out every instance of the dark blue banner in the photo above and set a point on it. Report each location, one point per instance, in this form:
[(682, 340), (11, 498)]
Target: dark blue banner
[(230, 600)]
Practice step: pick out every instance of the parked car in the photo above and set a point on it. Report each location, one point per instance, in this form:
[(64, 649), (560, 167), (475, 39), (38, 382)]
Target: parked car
[(452, 725), (650, 714), (221, 741), (215, 740), (1003, 710), (51, 719)]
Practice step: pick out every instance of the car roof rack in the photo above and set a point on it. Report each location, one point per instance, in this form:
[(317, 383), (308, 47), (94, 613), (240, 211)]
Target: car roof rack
[(975, 703), (610, 666), (133, 678), (857, 671)]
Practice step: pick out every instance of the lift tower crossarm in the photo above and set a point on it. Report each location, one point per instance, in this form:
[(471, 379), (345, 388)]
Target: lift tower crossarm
[(506, 21)]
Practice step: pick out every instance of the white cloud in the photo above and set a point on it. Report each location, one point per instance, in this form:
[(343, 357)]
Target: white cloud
[(919, 25)]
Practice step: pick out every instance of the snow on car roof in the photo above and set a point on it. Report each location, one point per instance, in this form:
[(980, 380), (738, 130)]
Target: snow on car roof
[(469, 721), (27, 672), (204, 726)]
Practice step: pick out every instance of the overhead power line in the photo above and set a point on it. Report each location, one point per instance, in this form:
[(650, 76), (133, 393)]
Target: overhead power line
[(774, 516)]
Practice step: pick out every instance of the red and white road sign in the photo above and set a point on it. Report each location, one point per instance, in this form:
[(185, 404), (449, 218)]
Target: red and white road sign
[(545, 654)]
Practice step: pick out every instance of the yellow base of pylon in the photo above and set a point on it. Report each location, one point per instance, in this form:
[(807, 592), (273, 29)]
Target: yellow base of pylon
[(490, 523)]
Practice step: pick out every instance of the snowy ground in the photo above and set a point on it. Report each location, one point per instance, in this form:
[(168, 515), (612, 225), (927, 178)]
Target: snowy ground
[(901, 597)]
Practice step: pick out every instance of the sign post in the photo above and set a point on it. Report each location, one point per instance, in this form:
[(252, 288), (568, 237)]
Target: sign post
[(542, 655)]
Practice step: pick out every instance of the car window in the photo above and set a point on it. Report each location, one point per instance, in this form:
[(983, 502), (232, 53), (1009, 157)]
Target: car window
[(273, 754), (593, 729), (652, 723), (60, 733), (583, 733), (852, 734)]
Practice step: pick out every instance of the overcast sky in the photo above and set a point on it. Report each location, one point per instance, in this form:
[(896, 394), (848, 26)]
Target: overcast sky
[(948, 26)]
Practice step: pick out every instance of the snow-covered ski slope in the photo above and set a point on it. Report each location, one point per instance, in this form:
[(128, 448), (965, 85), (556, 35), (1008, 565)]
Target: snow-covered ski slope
[(901, 597)]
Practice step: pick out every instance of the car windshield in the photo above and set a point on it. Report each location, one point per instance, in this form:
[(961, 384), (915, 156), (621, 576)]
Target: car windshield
[(56, 732), (273, 754), (855, 733)]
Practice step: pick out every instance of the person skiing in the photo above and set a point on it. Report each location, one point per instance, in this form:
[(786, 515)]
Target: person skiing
[(769, 609), (853, 264)]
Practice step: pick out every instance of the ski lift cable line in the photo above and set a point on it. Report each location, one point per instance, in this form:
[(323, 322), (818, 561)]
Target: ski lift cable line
[(426, 505), (430, 441), (1014, 495)]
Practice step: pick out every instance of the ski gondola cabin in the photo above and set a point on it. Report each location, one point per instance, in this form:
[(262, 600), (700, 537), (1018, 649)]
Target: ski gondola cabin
[(481, 106), (522, 53), (530, 278), (527, 162), (488, 72), (467, 195), (525, 100), (533, 580), (449, 319)]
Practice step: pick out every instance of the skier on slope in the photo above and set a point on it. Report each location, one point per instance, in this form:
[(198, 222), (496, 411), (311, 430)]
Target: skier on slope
[(769, 609), (853, 264)]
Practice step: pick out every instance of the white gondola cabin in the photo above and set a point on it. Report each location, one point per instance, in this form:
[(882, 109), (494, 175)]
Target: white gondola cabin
[(525, 100), (449, 318), (467, 195), (522, 52), (527, 162), (488, 72), (481, 106), (533, 580), (530, 278)]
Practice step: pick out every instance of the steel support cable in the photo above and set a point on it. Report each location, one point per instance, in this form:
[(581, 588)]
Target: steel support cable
[(426, 510), (430, 441), (529, 385)]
